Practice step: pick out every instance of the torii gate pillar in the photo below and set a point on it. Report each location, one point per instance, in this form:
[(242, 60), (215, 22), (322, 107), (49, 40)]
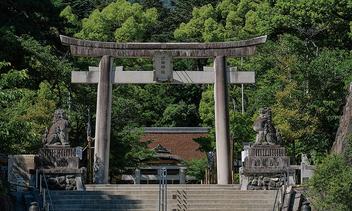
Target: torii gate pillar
[(223, 158), (103, 122)]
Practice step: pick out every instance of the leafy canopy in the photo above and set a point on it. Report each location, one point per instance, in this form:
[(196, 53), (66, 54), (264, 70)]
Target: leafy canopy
[(119, 21)]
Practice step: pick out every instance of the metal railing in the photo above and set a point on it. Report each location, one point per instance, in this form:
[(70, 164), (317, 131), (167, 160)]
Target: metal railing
[(163, 189), (47, 206), (278, 203), (280, 196)]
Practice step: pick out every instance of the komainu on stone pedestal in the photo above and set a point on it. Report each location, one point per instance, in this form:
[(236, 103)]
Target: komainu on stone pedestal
[(267, 165), (266, 132), (58, 132), (57, 161)]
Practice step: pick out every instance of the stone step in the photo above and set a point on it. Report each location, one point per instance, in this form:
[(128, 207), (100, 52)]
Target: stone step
[(173, 201), (225, 209), (107, 200), (189, 192), (151, 206), (156, 187), (180, 197), (170, 197), (198, 205), (179, 191), (172, 209)]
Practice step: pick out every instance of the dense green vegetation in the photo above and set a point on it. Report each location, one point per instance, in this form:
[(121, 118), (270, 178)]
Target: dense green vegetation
[(302, 71), (331, 185)]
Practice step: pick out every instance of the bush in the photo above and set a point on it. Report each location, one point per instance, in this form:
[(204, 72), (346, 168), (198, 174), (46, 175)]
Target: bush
[(331, 186), (196, 168)]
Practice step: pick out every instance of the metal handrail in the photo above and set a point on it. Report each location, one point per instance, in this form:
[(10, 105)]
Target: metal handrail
[(282, 190), (163, 189), (277, 193), (44, 195)]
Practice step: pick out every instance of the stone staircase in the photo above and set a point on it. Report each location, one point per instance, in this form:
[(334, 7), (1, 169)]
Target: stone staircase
[(145, 198)]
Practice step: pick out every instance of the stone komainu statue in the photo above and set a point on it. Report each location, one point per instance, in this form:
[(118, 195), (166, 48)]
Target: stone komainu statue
[(58, 132), (266, 132)]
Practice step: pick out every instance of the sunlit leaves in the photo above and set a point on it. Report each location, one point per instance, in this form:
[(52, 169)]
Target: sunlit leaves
[(24, 113), (331, 184), (119, 21)]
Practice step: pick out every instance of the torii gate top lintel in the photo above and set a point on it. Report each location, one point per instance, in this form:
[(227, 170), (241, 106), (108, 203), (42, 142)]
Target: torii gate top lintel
[(90, 48)]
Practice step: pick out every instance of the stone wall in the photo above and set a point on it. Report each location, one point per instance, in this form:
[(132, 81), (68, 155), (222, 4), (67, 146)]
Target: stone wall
[(345, 128), (19, 167)]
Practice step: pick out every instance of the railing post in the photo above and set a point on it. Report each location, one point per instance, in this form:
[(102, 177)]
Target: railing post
[(36, 178), (40, 183), (159, 171), (47, 204), (163, 189), (137, 176), (44, 200), (165, 194)]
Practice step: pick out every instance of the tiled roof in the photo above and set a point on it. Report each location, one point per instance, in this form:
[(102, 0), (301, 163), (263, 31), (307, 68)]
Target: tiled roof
[(174, 130), (177, 142)]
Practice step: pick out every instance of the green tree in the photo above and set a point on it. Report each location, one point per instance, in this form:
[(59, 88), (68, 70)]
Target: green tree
[(128, 151), (202, 27), (196, 168), (119, 21), (228, 20), (179, 115), (206, 107), (240, 124), (72, 22), (330, 187), (24, 113), (320, 22)]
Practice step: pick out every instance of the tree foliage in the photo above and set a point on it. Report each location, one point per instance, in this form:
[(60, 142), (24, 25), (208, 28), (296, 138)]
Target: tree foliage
[(23, 112), (120, 21), (330, 187), (196, 168)]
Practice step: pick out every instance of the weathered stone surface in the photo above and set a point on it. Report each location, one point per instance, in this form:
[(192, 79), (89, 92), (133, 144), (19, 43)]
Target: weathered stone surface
[(181, 50), (57, 157), (266, 159), (344, 131), (60, 166), (265, 182), (266, 165), (263, 126), (163, 67), (58, 132), (223, 158), (19, 167), (103, 122), (147, 77)]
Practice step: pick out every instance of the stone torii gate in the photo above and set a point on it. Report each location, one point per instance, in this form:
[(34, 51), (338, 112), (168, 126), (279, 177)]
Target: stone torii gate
[(162, 53)]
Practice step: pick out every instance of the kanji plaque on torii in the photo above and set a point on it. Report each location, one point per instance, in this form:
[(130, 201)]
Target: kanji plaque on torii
[(162, 54)]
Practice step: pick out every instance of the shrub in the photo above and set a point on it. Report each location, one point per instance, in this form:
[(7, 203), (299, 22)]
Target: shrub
[(331, 186)]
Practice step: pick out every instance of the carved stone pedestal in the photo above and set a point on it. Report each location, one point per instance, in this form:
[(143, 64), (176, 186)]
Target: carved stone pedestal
[(60, 167), (265, 167)]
